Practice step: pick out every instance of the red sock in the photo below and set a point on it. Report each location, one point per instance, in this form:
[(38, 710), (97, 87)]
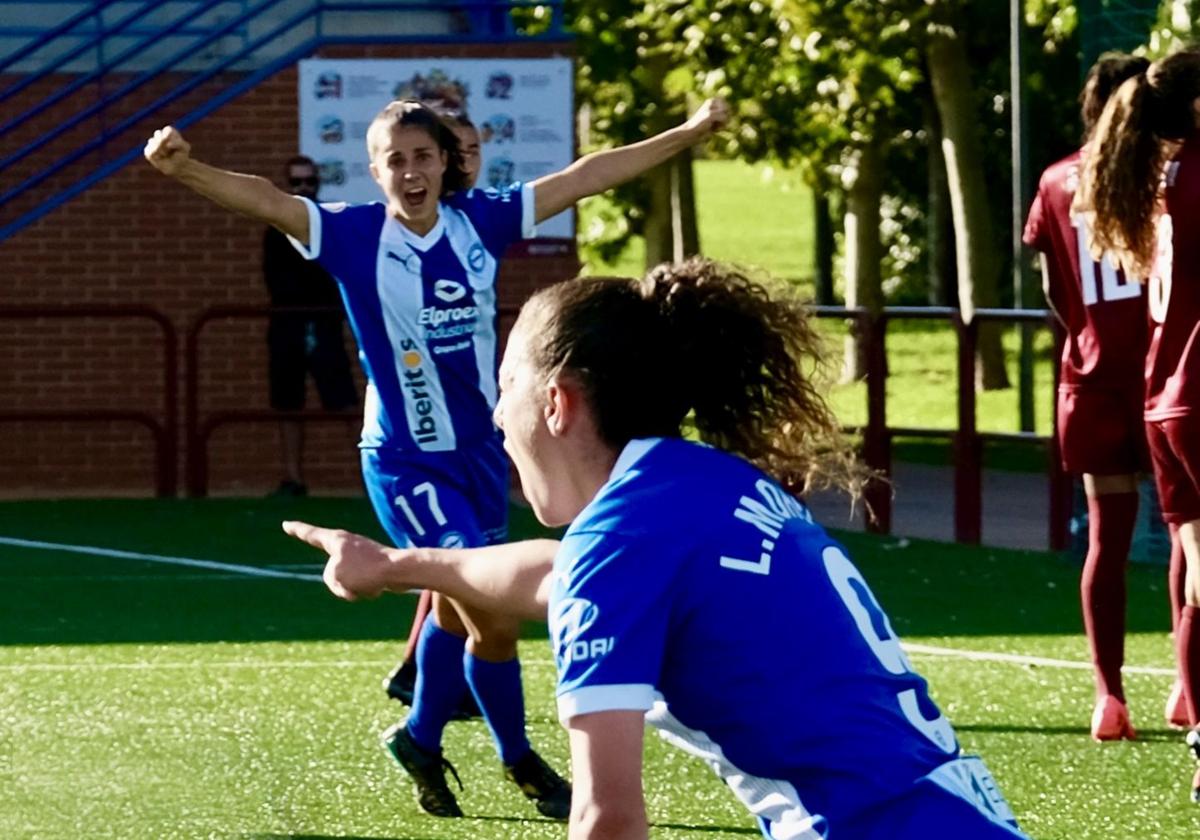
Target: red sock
[(1111, 518), (1187, 649), (424, 604), (1176, 575)]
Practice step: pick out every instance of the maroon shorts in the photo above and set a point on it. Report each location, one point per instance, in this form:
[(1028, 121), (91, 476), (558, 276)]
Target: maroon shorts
[(1175, 451), (1101, 431)]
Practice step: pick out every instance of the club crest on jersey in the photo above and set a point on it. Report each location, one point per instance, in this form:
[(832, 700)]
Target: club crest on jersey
[(475, 257), (452, 539), (449, 291)]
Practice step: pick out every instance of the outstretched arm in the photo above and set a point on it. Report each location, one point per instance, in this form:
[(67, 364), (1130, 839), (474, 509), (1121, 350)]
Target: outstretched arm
[(600, 171), (510, 579), (249, 195)]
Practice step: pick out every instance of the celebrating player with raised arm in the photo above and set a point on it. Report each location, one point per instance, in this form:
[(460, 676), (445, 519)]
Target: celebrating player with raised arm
[(417, 273), (807, 706), (1142, 188)]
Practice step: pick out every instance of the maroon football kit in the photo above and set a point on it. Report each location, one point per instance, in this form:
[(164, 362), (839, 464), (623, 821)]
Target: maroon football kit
[(1172, 406), (1099, 409)]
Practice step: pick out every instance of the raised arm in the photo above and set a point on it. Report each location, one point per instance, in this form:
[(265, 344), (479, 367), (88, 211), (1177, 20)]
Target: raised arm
[(511, 579), (600, 171), (249, 195)]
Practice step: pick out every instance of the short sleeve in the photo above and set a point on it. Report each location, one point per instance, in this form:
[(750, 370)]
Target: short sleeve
[(342, 238), (1035, 235), (608, 623), (500, 216)]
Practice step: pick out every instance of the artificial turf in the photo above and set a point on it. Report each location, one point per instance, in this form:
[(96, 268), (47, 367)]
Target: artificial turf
[(149, 700)]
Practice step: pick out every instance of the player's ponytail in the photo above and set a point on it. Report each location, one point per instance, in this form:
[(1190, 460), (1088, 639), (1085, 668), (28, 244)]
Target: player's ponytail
[(1119, 188), (697, 345)]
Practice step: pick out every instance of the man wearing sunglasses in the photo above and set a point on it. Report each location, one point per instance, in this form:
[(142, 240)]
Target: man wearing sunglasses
[(302, 343)]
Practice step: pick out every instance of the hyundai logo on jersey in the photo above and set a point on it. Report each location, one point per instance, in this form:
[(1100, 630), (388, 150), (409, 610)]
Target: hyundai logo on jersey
[(449, 290), (571, 619)]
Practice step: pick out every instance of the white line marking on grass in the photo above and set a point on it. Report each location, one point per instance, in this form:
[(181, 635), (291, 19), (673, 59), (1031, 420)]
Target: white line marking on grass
[(1017, 659), (235, 663), (252, 571)]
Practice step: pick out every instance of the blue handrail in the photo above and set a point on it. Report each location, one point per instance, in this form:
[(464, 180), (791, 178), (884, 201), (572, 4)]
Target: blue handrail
[(71, 55), (45, 37), (248, 81), (86, 78), (131, 120)]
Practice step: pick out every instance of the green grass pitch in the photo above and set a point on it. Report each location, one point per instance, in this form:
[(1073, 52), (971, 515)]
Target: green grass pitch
[(149, 700)]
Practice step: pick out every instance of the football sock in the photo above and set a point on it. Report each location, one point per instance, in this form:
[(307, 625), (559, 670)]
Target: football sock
[(1188, 651), (497, 690), (1176, 575), (1111, 518), (440, 684)]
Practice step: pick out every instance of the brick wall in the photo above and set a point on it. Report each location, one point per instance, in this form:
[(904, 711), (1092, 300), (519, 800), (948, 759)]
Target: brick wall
[(138, 238)]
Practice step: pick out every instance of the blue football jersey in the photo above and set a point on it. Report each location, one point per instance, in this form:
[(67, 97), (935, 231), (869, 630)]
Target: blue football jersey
[(423, 309), (693, 587)]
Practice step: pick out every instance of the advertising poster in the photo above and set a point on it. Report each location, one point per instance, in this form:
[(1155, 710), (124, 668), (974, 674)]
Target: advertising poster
[(523, 107)]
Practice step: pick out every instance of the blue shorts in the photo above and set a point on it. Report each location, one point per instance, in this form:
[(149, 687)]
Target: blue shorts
[(440, 499)]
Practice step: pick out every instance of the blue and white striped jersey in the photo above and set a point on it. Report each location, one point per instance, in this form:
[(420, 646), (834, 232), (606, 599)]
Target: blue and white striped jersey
[(423, 309), (693, 587)]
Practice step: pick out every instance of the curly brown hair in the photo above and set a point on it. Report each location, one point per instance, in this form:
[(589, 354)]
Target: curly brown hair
[(1121, 179), (702, 346)]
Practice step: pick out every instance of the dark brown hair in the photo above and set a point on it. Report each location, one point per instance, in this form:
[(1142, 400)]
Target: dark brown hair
[(1119, 188), (411, 113), (299, 160), (1105, 76), (702, 345)]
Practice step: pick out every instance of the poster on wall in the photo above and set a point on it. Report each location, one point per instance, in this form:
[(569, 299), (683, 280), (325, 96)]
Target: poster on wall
[(523, 107)]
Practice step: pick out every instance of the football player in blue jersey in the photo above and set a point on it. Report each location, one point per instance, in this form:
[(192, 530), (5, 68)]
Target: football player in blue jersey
[(806, 706), (417, 274)]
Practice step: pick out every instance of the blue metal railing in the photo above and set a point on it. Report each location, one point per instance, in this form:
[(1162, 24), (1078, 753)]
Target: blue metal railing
[(46, 36), (482, 17)]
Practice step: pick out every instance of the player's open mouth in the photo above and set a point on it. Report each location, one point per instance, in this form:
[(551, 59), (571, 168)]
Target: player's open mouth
[(415, 197)]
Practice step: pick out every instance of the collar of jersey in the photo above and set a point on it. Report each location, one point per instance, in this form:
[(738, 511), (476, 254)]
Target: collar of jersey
[(631, 454), (422, 243)]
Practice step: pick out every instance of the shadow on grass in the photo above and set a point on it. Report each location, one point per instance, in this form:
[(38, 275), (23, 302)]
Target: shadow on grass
[(1152, 735)]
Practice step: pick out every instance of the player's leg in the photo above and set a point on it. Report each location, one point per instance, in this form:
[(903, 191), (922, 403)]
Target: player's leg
[(1112, 514), (1100, 438), (1175, 711), (490, 660), (930, 811), (399, 684), (1177, 469), (416, 506)]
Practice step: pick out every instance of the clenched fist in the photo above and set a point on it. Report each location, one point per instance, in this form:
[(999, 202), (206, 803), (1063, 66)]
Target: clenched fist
[(167, 151), (711, 116)]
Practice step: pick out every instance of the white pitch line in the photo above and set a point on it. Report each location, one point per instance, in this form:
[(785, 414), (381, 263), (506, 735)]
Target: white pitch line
[(252, 571), (1017, 659), (235, 663)]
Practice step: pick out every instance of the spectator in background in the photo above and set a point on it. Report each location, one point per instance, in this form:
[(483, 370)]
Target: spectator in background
[(299, 344)]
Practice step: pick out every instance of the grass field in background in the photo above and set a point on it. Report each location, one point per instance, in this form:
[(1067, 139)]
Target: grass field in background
[(148, 700), (753, 216)]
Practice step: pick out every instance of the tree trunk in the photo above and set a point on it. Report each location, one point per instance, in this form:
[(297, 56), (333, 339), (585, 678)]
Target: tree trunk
[(671, 232), (977, 260), (864, 250), (823, 248), (939, 221)]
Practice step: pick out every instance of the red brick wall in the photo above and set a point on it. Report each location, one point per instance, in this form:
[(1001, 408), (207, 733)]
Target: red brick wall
[(137, 238)]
